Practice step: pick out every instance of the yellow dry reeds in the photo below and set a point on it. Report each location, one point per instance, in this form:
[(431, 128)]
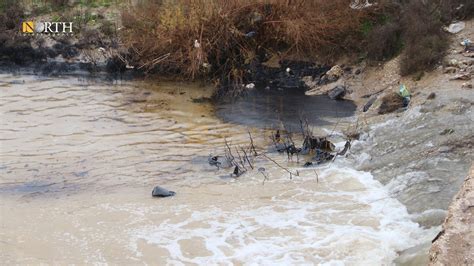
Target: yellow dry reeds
[(203, 38)]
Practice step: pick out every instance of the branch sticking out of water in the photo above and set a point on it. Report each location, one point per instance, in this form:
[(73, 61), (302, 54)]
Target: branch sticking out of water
[(296, 173)]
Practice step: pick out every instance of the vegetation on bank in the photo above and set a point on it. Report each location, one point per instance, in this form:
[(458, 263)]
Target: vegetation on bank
[(414, 29), (95, 25), (222, 39)]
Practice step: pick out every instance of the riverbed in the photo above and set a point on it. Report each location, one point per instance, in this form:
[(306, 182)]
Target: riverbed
[(80, 156)]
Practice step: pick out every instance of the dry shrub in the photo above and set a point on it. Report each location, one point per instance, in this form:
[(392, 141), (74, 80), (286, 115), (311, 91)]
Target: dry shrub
[(390, 103), (230, 34), (58, 3), (384, 41), (11, 15), (13, 46), (425, 42), (454, 10)]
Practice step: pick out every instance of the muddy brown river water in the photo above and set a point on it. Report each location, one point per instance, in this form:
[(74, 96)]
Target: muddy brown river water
[(80, 157)]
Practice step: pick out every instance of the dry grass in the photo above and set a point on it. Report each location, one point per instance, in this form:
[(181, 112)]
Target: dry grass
[(425, 42), (161, 35), (384, 41), (415, 29), (390, 103)]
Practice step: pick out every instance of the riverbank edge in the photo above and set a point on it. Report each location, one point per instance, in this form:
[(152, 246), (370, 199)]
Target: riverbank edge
[(454, 244), (413, 141)]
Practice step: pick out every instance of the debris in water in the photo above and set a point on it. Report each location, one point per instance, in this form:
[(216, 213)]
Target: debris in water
[(369, 103), (447, 131), (261, 170), (242, 158), (213, 161), (347, 146)]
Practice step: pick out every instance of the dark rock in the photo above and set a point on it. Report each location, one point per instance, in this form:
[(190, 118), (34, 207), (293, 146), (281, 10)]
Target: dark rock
[(219, 161), (66, 50), (59, 46), (431, 96), (161, 192), (311, 144), (50, 53), (53, 68), (20, 53), (322, 157), (70, 52), (369, 103), (405, 101), (237, 171), (115, 65), (357, 72), (353, 135), (347, 146), (291, 149), (287, 76), (337, 93)]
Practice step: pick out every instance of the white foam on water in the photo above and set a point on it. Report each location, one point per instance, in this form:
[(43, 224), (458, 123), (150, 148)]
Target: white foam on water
[(348, 218)]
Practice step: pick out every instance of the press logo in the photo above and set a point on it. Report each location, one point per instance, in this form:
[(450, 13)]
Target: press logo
[(52, 28)]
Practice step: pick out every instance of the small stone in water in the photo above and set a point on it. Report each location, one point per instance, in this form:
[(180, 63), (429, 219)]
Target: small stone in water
[(162, 192)]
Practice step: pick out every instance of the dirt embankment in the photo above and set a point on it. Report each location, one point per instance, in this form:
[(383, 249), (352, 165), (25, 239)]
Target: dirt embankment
[(421, 153), (455, 243)]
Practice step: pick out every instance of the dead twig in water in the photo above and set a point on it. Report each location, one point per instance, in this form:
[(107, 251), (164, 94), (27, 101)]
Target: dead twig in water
[(284, 168), (252, 146), (246, 158), (229, 155), (261, 170)]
